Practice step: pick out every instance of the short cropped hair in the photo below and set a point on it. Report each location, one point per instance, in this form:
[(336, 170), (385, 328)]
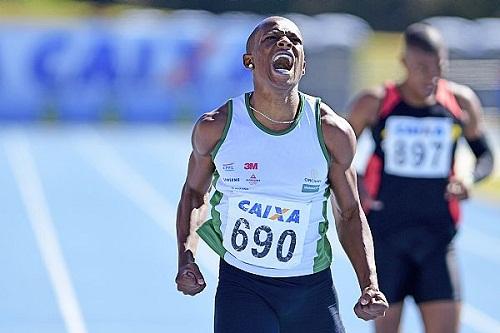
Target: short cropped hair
[(426, 38)]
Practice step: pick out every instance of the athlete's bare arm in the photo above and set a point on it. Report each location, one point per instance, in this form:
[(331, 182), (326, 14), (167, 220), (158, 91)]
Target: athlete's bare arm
[(206, 133), (364, 109), (352, 227), (364, 113), (473, 130), (472, 110)]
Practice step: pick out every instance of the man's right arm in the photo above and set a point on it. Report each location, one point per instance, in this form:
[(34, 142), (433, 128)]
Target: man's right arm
[(362, 114), (206, 133), (364, 110)]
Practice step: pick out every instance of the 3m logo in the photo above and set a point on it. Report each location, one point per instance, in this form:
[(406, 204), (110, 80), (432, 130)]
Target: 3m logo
[(251, 166)]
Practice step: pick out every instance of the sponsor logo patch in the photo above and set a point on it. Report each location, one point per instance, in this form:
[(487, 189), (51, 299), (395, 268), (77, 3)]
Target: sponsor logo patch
[(228, 166), (253, 180), (251, 166), (239, 188), (308, 188), (230, 179), (419, 129), (312, 180), (273, 213)]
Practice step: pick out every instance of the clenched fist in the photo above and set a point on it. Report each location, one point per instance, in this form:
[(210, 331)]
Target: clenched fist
[(189, 279), (371, 304)]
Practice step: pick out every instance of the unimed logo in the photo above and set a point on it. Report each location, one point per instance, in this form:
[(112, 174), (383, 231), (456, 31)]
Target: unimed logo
[(251, 166)]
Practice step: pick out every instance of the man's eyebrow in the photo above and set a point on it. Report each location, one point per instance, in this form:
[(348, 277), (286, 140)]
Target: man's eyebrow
[(293, 34), (286, 32)]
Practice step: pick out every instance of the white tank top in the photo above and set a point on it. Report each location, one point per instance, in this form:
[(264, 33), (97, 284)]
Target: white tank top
[(270, 193)]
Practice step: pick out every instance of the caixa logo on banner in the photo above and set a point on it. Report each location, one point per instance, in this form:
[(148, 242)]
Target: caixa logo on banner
[(85, 69)]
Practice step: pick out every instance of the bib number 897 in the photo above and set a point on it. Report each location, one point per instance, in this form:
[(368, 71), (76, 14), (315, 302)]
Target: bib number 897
[(417, 153), (266, 244)]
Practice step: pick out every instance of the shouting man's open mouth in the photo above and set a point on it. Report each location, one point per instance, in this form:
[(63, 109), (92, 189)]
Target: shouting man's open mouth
[(282, 62)]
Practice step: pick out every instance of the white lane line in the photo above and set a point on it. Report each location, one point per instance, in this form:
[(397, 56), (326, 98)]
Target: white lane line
[(478, 320), (23, 166), (133, 185)]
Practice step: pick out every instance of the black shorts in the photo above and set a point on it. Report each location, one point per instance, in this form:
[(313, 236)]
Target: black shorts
[(247, 303), (417, 262)]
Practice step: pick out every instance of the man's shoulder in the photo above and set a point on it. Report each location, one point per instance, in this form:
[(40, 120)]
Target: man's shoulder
[(468, 102), (209, 128), (370, 98), (338, 133), (366, 105), (214, 119), (330, 118), (466, 98), (461, 91), (378, 91)]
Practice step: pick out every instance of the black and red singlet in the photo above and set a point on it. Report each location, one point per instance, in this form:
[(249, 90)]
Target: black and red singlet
[(413, 160)]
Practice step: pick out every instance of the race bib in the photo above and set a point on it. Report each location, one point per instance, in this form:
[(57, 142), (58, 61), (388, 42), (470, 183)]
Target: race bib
[(418, 147), (266, 232)]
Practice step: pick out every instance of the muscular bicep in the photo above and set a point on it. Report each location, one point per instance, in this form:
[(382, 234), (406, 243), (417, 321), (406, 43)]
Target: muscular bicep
[(341, 144), (199, 175), (344, 187), (342, 175), (206, 134)]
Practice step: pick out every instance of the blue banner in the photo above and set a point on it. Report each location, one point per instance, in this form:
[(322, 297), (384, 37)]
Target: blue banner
[(98, 69), (144, 65)]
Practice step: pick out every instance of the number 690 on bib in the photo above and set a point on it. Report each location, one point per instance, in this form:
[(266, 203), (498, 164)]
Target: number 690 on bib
[(258, 231)]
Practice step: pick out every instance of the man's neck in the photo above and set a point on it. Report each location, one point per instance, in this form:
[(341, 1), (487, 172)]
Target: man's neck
[(279, 106), (413, 99)]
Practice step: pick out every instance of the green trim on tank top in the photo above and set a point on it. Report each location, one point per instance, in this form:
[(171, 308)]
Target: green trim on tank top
[(210, 230), (323, 248), (268, 130), (319, 130), (226, 129)]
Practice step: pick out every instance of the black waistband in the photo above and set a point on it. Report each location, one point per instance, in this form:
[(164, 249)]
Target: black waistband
[(226, 269)]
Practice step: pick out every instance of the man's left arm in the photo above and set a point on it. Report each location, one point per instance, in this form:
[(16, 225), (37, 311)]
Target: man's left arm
[(473, 130), (352, 227)]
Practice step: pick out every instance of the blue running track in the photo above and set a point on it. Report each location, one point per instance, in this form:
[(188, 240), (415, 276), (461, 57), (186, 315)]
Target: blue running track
[(87, 241)]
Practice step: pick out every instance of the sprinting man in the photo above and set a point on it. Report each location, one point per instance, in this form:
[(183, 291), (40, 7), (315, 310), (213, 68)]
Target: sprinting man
[(410, 192), (273, 156)]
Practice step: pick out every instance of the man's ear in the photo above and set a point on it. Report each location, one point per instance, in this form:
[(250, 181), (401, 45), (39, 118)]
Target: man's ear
[(304, 68), (402, 60), (247, 61)]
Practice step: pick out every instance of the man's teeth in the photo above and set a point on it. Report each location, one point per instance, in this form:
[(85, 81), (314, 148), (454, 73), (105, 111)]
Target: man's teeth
[(283, 56), (283, 63)]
